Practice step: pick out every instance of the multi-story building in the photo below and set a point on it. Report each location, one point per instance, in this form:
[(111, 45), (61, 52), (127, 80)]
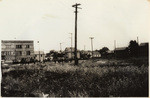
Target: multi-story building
[(15, 50)]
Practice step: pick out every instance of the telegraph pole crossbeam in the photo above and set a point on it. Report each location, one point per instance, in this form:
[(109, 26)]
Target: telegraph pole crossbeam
[(76, 11)]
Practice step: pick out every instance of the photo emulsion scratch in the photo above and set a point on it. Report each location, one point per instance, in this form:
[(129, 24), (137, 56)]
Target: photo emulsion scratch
[(74, 48)]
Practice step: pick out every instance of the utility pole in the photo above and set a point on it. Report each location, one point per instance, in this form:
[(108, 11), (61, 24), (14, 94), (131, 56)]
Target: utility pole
[(71, 45), (43, 55), (60, 47), (15, 51), (76, 11), (115, 48), (39, 51), (92, 45), (138, 40), (114, 44), (84, 47)]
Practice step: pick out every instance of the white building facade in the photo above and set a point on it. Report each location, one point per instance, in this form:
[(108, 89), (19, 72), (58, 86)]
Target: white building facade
[(15, 50)]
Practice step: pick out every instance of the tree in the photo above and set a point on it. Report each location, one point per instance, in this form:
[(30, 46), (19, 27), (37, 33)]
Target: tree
[(133, 48), (52, 53), (103, 50)]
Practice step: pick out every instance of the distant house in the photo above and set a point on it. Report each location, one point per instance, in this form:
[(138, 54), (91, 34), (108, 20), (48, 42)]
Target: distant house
[(69, 53), (96, 54), (85, 54), (39, 55), (121, 52), (144, 49), (110, 54), (88, 52)]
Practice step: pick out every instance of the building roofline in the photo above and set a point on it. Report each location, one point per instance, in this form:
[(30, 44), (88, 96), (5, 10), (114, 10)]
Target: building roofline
[(17, 41), (121, 48)]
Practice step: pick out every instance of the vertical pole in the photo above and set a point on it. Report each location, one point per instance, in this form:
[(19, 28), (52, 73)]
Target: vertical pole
[(114, 44), (71, 45), (15, 51), (138, 45), (76, 11), (138, 40), (60, 47), (39, 52), (43, 55), (39, 56), (76, 60), (92, 45), (115, 48)]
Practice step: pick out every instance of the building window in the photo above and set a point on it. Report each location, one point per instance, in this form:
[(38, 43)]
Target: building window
[(8, 46), (7, 53), (19, 53), (19, 46), (27, 46), (3, 52), (28, 53)]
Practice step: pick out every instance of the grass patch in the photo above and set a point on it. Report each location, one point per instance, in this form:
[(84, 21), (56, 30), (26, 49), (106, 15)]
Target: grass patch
[(91, 79)]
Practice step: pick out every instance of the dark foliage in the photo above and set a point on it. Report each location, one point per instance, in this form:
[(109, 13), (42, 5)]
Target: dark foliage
[(133, 48)]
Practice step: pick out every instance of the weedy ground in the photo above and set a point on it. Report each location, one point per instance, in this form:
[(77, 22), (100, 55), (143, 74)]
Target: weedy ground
[(91, 78)]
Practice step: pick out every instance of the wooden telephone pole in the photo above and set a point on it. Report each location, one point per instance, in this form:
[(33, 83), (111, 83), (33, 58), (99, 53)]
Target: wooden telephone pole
[(92, 45), (76, 11), (39, 51), (71, 44), (60, 47)]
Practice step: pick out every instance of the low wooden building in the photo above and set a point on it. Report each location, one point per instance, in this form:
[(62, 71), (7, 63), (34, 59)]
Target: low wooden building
[(121, 52), (96, 54)]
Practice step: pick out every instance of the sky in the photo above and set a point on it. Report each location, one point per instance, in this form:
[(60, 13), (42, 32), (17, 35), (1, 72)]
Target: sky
[(51, 21)]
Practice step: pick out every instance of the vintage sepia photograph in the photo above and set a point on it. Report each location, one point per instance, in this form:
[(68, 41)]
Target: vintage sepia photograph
[(74, 48)]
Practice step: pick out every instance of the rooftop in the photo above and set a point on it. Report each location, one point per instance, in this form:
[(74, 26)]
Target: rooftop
[(144, 44), (121, 48), (96, 53), (17, 41)]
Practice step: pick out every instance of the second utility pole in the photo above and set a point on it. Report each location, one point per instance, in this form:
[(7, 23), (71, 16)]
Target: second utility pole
[(92, 45), (76, 11), (71, 45)]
